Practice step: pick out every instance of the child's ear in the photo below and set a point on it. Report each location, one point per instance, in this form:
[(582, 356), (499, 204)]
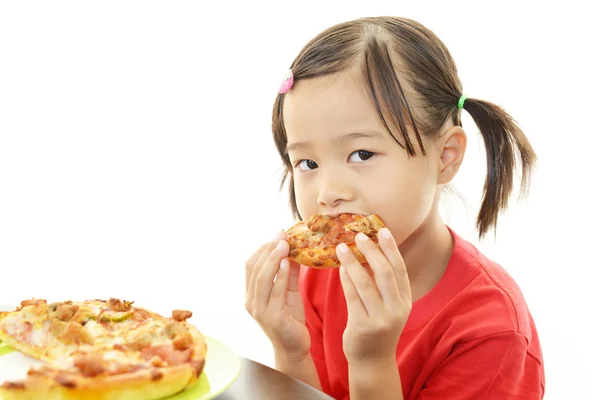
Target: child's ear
[(453, 144)]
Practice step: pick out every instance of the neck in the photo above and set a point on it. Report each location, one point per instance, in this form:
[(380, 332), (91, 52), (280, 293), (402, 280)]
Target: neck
[(426, 254)]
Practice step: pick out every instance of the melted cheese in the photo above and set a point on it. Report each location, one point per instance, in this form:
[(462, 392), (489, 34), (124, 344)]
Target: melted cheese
[(63, 361), (101, 336), (11, 322), (39, 335), (112, 357), (94, 329)]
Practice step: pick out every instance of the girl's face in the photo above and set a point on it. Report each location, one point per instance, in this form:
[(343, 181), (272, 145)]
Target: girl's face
[(344, 160)]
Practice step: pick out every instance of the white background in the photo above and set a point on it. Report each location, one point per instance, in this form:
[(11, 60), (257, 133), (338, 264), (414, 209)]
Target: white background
[(136, 157)]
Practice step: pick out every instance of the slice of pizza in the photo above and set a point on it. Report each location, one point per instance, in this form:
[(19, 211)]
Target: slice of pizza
[(313, 242), (98, 349)]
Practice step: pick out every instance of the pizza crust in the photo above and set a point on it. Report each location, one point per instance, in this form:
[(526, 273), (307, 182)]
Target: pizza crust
[(143, 385), (313, 242)]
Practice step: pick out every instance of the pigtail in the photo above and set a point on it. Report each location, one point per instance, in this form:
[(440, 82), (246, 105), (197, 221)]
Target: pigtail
[(504, 143)]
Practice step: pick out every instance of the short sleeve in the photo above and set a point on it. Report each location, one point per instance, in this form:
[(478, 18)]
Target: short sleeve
[(494, 367)]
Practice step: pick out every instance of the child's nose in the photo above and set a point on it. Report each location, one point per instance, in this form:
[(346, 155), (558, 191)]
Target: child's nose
[(334, 191)]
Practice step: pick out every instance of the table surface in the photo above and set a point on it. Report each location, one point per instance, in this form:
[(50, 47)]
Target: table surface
[(257, 381)]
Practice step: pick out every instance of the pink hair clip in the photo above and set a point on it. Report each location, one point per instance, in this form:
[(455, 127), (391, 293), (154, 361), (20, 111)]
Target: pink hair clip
[(287, 83)]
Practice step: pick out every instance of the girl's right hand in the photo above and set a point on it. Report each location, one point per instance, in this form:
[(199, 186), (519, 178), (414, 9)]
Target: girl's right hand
[(273, 298)]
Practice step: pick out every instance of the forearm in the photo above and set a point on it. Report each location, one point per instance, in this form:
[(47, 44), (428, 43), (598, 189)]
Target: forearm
[(302, 369), (375, 381)]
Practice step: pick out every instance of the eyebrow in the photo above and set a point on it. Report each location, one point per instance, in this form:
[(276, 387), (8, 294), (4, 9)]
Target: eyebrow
[(338, 140)]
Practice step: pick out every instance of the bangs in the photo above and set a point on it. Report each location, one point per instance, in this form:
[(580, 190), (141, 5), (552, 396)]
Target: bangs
[(388, 95)]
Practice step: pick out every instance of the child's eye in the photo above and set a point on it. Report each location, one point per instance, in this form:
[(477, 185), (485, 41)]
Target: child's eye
[(307, 165), (361, 155)]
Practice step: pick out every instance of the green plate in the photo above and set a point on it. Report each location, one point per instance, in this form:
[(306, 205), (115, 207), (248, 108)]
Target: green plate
[(4, 349), (221, 369)]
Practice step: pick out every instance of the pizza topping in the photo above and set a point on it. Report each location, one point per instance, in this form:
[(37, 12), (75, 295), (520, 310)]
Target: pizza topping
[(95, 329), (119, 305), (23, 331), (361, 225), (140, 315), (99, 317), (181, 315), (65, 381), (38, 372), (183, 341), (124, 368), (90, 364), (107, 316), (319, 223), (156, 361), (31, 302), (140, 342), (168, 354), (337, 234), (181, 337), (65, 312), (39, 335), (70, 332), (155, 375), (119, 347)]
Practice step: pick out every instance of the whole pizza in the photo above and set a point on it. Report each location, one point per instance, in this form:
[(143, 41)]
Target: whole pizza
[(97, 349)]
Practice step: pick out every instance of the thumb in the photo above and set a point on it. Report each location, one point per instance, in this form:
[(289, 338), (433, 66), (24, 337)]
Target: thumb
[(294, 276)]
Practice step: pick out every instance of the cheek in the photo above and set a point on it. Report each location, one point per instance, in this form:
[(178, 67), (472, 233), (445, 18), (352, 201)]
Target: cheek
[(305, 199), (404, 199)]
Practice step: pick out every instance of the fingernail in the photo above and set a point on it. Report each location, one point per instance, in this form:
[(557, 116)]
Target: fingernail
[(343, 248), (284, 264), (362, 237), (385, 232), (277, 237)]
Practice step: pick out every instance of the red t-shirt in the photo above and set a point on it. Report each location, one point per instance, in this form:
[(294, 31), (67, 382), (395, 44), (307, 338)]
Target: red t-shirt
[(470, 337)]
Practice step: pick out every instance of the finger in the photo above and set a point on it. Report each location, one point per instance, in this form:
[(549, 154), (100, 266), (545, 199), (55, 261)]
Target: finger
[(276, 300), (390, 250), (353, 302), (255, 269), (293, 300), (252, 261), (252, 269), (382, 269), (266, 275), (364, 285), (294, 282)]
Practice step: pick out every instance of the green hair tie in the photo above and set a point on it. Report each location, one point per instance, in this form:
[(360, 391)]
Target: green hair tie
[(461, 101)]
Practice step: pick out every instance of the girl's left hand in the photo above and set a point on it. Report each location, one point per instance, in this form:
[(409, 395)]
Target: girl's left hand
[(378, 306)]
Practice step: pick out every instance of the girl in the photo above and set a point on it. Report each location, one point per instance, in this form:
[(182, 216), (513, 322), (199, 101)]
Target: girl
[(368, 122)]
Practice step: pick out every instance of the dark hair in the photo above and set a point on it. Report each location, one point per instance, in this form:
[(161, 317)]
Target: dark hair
[(429, 79)]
